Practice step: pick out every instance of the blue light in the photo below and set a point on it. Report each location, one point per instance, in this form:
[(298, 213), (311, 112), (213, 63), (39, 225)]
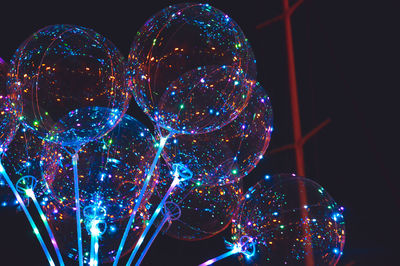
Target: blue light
[(267, 177), (336, 250), (275, 213)]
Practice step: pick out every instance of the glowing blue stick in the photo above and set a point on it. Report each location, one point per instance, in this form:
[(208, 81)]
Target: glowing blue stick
[(220, 257), (163, 140), (75, 158), (165, 219), (175, 182), (94, 249), (46, 224), (22, 204)]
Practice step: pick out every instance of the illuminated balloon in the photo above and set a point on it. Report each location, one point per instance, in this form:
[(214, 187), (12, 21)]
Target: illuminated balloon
[(290, 221), (8, 110), (189, 59), (230, 153), (111, 174), (65, 73), (111, 169), (204, 210)]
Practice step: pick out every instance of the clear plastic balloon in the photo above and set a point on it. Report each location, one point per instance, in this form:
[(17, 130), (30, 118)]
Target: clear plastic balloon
[(111, 169), (188, 59), (64, 73), (111, 174), (204, 211), (8, 110), (230, 153), (22, 159), (290, 219)]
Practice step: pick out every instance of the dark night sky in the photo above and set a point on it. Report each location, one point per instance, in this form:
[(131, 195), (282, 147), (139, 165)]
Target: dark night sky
[(346, 61)]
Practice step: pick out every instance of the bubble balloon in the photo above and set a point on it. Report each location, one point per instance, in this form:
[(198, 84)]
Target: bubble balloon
[(8, 110), (204, 211), (283, 229), (189, 59), (111, 174), (230, 153), (64, 73), (111, 169)]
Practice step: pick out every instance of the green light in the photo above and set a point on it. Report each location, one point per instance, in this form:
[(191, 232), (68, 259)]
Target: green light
[(282, 226), (110, 141), (46, 113), (234, 171), (181, 106), (35, 123)]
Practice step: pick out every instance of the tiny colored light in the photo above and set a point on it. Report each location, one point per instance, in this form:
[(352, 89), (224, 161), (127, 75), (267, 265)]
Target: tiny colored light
[(181, 106)]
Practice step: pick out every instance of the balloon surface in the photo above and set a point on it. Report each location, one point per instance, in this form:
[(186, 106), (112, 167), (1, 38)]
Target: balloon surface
[(64, 74), (230, 153), (285, 231), (8, 110), (204, 210), (191, 68)]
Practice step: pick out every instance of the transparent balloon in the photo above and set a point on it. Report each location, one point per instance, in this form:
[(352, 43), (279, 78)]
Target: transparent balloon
[(292, 220), (111, 174), (186, 60), (111, 169), (8, 110), (230, 153), (62, 69), (204, 211)]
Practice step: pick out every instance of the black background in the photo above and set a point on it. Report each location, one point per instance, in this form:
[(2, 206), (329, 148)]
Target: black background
[(347, 70)]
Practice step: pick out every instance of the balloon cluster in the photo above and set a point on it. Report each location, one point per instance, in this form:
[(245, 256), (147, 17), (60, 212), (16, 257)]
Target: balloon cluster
[(99, 178)]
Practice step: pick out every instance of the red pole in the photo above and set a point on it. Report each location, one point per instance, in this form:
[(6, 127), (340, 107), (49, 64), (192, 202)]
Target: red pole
[(293, 92), (298, 143)]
